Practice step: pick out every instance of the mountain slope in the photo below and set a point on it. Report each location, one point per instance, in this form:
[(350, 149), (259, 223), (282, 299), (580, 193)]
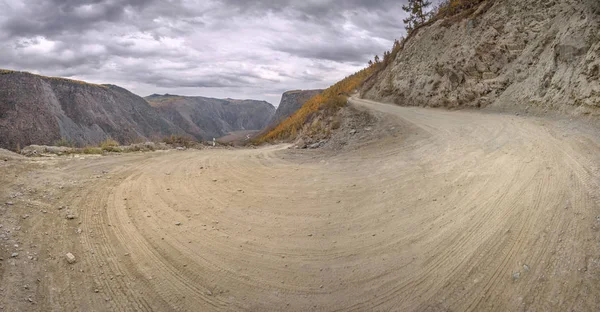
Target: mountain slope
[(291, 101), (42, 110), (207, 118), (535, 55)]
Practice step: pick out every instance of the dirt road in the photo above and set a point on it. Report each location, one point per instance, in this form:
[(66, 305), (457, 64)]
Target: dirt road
[(453, 211)]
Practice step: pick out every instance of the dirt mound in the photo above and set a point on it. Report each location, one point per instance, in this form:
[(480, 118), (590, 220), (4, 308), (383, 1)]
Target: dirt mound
[(6, 155)]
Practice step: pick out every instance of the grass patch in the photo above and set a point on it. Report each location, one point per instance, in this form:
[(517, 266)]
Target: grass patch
[(92, 151), (180, 141), (64, 143), (110, 145)]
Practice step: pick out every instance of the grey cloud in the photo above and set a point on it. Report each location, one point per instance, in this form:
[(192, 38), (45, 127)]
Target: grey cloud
[(55, 16), (226, 48)]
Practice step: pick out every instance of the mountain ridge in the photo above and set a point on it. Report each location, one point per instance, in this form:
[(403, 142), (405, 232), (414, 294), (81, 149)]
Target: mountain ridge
[(36, 109), (206, 118)]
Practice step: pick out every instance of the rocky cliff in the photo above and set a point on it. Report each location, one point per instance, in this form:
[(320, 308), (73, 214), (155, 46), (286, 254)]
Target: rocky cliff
[(43, 110), (207, 118), (510, 55), (291, 101)]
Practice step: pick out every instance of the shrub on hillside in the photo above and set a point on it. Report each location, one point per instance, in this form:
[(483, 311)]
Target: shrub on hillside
[(326, 103), (180, 141), (110, 145), (64, 143), (449, 8), (92, 150)]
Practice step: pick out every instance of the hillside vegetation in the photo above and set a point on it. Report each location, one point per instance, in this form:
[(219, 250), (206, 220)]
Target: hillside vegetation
[(318, 108)]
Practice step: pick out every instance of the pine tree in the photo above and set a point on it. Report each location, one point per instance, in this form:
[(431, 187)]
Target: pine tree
[(418, 15)]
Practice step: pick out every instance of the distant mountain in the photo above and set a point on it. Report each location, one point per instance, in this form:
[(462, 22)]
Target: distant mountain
[(291, 101), (207, 118), (42, 110)]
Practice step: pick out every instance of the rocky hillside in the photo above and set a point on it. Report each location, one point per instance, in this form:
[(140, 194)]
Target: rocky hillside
[(43, 110), (207, 118), (291, 101), (511, 55)]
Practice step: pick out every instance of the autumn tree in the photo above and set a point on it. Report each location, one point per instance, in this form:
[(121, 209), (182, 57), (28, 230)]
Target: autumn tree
[(417, 13)]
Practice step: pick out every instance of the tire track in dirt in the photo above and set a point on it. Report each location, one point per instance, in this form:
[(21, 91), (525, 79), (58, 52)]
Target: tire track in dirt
[(438, 217)]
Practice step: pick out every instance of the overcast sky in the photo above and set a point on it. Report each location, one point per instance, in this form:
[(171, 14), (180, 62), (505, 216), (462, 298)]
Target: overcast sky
[(218, 48)]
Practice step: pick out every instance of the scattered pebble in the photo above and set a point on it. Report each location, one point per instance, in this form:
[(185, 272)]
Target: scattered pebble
[(516, 276), (14, 255), (70, 216), (9, 203), (70, 258), (177, 223)]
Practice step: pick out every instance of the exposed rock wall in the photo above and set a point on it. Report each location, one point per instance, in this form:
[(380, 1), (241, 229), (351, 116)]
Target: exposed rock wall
[(44, 110), (291, 101), (515, 55)]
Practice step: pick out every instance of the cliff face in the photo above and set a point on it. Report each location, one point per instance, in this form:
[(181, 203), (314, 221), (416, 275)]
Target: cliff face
[(207, 118), (513, 55), (43, 110), (291, 101)]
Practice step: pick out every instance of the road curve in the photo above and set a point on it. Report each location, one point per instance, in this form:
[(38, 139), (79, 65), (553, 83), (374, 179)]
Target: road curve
[(460, 211)]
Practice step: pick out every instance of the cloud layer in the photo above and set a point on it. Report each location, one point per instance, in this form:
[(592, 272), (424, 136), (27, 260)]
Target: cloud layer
[(221, 48)]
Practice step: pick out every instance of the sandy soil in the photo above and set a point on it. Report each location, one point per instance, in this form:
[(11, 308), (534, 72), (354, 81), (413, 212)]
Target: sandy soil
[(452, 211)]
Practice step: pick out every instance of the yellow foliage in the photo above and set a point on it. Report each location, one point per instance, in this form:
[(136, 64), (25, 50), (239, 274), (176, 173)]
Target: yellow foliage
[(449, 8), (109, 145), (332, 98)]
